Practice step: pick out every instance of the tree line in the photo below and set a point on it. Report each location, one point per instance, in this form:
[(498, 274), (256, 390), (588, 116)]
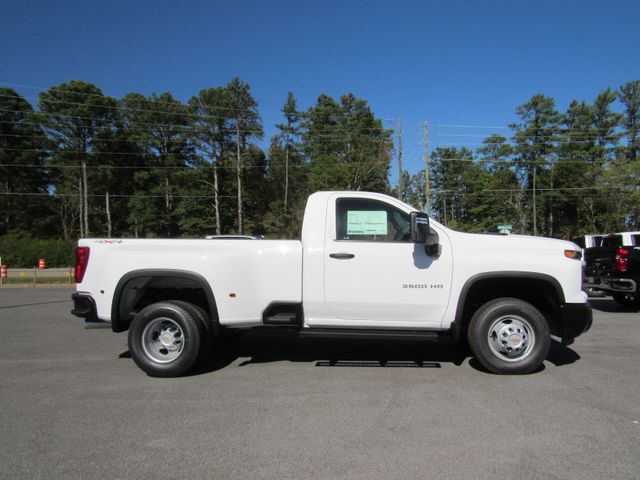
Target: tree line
[(560, 174), (86, 164)]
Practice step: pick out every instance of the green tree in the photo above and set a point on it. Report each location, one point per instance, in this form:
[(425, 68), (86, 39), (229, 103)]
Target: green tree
[(534, 140), (346, 146), (413, 189), (158, 125), (211, 121), (23, 177), (245, 124), (73, 114), (116, 160), (574, 172), (256, 190), (453, 174), (289, 133), (502, 201), (629, 95), (286, 176)]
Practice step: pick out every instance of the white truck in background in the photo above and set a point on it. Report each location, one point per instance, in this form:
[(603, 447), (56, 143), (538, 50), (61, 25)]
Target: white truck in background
[(366, 265)]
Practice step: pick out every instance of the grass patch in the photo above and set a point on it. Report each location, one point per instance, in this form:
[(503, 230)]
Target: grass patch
[(29, 280)]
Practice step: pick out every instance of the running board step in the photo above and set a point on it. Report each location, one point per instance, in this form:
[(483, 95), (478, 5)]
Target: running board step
[(368, 333), (283, 319), (283, 314)]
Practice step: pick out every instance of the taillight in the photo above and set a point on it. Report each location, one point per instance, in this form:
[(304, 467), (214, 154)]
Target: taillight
[(622, 262), (82, 259)]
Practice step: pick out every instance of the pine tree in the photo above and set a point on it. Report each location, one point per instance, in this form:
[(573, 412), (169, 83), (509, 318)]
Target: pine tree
[(245, 124), (24, 179), (535, 147), (73, 114), (346, 146)]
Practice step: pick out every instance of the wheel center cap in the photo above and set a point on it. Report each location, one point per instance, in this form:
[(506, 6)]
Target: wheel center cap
[(515, 340), (166, 339)]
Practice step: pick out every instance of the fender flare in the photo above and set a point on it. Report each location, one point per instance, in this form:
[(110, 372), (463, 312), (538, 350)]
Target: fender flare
[(457, 324), (119, 324)]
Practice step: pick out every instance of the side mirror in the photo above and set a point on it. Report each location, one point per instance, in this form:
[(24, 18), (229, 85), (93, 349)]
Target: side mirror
[(419, 227), (421, 233)]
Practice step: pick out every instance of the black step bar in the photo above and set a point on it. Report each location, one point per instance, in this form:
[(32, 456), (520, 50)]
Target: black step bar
[(371, 333)]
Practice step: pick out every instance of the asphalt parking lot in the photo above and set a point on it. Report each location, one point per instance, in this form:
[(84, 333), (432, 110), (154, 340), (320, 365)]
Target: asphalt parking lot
[(272, 406)]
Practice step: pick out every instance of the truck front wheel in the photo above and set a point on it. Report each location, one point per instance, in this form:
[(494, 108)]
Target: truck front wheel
[(509, 336), (164, 339)]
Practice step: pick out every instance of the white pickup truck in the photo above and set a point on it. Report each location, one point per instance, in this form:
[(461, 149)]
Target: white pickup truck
[(367, 265)]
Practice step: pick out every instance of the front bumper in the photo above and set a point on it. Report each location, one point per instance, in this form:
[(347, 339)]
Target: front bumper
[(576, 319)]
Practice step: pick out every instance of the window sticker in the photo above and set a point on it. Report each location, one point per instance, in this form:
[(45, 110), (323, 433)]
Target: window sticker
[(366, 222)]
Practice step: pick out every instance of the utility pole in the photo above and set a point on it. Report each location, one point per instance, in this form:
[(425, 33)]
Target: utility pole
[(535, 212), (81, 205), (239, 175), (427, 177), (286, 172), (400, 186), (108, 210)]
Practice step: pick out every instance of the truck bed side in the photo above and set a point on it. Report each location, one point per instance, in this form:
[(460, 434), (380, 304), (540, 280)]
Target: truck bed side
[(245, 276)]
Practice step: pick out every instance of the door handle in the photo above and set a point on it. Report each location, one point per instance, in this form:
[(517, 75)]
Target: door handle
[(342, 256)]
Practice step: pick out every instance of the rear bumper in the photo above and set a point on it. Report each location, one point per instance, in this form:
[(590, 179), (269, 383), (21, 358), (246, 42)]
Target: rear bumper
[(576, 319), (614, 285), (84, 306)]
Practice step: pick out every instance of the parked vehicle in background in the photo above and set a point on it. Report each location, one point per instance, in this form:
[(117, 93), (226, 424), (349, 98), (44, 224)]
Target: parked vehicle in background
[(373, 267), (584, 242), (614, 267), (588, 241), (629, 239)]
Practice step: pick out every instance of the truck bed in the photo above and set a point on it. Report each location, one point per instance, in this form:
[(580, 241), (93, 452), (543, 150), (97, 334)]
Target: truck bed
[(247, 275)]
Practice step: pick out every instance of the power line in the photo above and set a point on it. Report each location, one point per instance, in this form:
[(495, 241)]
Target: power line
[(534, 136), (86, 94), (177, 126), (111, 195), (336, 136), (562, 189), (147, 110), (480, 144), (267, 165), (568, 190), (513, 161), (446, 125)]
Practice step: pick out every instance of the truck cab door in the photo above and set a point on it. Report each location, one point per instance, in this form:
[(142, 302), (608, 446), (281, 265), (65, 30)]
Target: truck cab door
[(375, 273)]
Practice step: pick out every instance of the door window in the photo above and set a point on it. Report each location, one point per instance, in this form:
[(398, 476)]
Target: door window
[(366, 220)]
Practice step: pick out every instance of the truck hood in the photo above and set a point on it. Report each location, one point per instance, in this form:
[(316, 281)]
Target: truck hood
[(528, 245)]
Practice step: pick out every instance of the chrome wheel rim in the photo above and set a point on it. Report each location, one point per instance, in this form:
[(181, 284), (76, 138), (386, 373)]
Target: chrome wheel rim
[(162, 340), (511, 338)]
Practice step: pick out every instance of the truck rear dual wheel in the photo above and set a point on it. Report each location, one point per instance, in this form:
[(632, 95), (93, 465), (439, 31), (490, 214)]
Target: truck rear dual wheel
[(197, 312), (509, 336), (165, 338)]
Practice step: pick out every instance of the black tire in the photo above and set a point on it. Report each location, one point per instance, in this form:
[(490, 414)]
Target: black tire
[(202, 317), (627, 299), (509, 336), (177, 352)]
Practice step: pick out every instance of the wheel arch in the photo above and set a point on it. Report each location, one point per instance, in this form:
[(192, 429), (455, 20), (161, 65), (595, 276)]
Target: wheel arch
[(132, 285), (541, 290)]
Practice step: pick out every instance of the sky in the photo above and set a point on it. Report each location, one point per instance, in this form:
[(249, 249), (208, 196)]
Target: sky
[(447, 63)]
